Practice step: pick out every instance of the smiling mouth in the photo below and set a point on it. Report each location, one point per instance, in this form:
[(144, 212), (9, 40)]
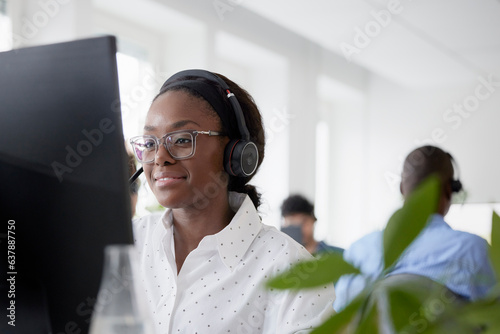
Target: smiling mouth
[(168, 181), (168, 178)]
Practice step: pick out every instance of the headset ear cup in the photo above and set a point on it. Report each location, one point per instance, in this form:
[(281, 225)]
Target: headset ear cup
[(240, 158), (456, 186)]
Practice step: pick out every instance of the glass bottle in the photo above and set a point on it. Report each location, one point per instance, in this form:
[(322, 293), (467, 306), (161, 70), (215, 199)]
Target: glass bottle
[(121, 303)]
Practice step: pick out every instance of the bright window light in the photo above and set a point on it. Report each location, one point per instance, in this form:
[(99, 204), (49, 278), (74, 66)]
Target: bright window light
[(5, 28), (138, 85), (322, 195), (137, 89), (473, 218)]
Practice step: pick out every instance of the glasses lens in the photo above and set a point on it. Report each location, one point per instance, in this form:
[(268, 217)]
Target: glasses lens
[(144, 149), (180, 145)]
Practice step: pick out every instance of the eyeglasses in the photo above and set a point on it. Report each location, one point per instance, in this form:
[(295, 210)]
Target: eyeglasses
[(180, 144)]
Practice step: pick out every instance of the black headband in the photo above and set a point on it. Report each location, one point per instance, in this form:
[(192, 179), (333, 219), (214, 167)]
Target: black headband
[(208, 92)]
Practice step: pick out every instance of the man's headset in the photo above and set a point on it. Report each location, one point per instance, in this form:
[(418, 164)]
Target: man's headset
[(456, 185), (240, 155)]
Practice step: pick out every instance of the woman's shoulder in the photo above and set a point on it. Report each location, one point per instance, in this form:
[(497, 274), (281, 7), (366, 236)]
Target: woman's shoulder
[(147, 220), (283, 243), (143, 226)]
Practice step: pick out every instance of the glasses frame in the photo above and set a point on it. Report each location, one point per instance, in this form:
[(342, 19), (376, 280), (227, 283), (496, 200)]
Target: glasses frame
[(193, 133)]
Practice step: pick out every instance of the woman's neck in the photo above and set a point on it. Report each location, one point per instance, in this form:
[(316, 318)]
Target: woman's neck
[(311, 246), (191, 225)]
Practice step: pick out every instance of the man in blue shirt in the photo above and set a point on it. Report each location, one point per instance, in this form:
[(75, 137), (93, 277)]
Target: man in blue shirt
[(298, 218), (456, 259)]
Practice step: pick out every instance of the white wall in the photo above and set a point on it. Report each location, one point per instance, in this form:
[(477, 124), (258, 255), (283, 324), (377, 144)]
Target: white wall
[(43, 22), (343, 109), (403, 118)]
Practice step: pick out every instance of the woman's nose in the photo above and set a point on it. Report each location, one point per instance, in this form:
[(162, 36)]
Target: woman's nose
[(163, 156)]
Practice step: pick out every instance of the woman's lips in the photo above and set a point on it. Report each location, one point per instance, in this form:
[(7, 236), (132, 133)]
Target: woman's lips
[(162, 180)]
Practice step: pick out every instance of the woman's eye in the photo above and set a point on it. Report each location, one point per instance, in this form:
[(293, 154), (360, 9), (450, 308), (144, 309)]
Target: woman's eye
[(182, 140), (149, 144)]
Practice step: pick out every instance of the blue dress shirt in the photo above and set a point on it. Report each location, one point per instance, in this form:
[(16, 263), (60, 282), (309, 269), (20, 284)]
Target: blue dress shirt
[(323, 247), (456, 259)]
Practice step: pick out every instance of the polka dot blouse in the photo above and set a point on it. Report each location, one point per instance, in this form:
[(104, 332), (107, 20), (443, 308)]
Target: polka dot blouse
[(220, 288)]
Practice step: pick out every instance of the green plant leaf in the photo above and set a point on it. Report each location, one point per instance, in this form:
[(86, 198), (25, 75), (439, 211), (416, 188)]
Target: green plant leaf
[(406, 223), (493, 329), (460, 317), (325, 269), (404, 309), (419, 305), (482, 312), (445, 326), (495, 243), (370, 322), (339, 322)]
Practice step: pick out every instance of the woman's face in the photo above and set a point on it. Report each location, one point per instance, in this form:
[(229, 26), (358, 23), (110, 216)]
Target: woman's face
[(195, 181)]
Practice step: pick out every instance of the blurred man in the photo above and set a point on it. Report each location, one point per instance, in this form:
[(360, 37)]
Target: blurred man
[(298, 222)]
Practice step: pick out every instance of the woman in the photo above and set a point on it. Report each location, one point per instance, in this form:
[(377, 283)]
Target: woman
[(207, 258)]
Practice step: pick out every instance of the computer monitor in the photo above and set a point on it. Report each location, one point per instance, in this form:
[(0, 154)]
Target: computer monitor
[(64, 193)]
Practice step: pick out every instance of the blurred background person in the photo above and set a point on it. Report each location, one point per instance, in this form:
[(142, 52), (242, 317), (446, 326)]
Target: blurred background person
[(298, 222), (459, 260)]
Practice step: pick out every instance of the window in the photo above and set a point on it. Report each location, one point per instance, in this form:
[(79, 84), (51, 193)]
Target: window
[(322, 196), (137, 88), (138, 84), (341, 169), (472, 217), (5, 27)]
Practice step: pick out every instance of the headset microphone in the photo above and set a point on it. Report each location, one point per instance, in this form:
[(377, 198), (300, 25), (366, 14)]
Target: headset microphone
[(135, 176)]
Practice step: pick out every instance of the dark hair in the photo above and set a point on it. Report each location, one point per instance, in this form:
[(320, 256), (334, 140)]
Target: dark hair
[(424, 161), (253, 120), (297, 204)]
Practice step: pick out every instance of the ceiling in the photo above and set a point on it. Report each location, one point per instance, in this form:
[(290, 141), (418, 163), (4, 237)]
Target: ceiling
[(414, 43), (425, 42)]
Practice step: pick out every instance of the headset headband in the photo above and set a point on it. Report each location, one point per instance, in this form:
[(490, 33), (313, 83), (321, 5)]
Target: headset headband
[(211, 95)]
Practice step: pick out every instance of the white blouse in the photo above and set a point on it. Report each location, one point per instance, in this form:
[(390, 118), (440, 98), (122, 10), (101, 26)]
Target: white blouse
[(221, 285)]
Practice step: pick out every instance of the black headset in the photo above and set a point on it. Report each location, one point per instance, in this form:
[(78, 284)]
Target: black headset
[(456, 184), (240, 155)]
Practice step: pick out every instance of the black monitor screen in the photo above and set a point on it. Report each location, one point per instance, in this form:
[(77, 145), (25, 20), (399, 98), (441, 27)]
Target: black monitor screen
[(64, 193)]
